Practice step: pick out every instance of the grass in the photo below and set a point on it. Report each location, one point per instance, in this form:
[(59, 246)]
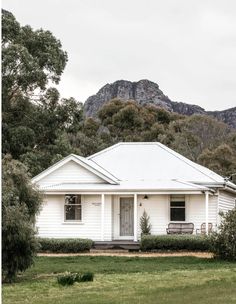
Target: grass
[(126, 280)]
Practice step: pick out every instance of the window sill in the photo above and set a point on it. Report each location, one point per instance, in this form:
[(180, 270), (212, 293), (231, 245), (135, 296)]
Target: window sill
[(72, 223)]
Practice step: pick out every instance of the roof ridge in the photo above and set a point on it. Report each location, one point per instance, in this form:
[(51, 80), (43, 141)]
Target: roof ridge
[(122, 143), (104, 169), (103, 151)]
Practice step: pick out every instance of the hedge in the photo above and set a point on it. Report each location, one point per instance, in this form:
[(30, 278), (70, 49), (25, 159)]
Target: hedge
[(64, 245), (174, 242)]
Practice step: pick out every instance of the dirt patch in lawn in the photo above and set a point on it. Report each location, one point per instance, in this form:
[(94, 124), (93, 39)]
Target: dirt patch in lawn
[(126, 253)]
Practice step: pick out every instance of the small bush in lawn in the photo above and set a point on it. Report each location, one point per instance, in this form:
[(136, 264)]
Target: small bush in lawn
[(223, 242), (66, 279), (174, 242), (65, 245), (70, 278)]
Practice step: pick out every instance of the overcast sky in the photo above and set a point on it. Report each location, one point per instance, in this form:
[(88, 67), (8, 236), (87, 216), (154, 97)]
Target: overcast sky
[(188, 47)]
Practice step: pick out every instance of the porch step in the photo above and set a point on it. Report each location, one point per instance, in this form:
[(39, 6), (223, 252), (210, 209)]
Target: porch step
[(117, 245)]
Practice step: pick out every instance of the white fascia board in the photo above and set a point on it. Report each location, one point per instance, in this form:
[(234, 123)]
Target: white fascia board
[(122, 192), (218, 185), (78, 161)]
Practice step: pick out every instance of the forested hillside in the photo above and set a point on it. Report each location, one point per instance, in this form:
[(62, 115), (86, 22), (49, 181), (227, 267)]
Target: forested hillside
[(39, 127)]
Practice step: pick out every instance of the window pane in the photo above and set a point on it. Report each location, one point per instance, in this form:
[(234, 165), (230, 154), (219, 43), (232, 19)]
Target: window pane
[(70, 199), (72, 207), (78, 213), (177, 204), (177, 198), (177, 214), (73, 213), (70, 212)]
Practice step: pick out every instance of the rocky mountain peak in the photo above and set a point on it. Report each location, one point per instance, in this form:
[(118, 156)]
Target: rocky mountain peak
[(143, 91), (147, 92)]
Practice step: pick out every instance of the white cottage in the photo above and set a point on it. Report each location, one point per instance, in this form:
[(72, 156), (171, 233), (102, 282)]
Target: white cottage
[(103, 196)]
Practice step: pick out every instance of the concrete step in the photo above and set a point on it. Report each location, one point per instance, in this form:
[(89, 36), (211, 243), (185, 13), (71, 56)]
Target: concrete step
[(117, 245)]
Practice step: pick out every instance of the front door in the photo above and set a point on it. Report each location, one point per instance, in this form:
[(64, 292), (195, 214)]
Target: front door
[(126, 216)]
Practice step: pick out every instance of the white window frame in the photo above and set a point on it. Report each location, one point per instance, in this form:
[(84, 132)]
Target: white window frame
[(185, 209), (78, 204)]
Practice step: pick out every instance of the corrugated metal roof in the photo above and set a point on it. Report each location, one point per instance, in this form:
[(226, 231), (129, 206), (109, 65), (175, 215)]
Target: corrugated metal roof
[(138, 166), (136, 161)]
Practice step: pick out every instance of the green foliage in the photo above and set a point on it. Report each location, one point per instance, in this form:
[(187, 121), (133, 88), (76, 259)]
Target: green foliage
[(196, 133), (221, 160), (86, 277), (70, 278), (145, 224), (30, 58), (67, 279), (223, 242), (35, 120), (20, 203), (65, 245), (174, 242)]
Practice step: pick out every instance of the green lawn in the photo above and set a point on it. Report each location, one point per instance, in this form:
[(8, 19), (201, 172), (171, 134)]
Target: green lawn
[(127, 280)]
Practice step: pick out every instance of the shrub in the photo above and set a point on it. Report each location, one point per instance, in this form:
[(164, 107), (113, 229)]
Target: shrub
[(87, 277), (70, 278), (145, 224), (65, 245), (174, 242), (20, 203), (223, 242), (66, 279)]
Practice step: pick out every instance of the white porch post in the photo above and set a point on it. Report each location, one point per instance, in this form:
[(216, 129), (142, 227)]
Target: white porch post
[(206, 209), (102, 216), (135, 218)]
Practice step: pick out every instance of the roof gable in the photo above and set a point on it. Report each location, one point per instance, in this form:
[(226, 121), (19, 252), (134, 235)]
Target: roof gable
[(74, 168)]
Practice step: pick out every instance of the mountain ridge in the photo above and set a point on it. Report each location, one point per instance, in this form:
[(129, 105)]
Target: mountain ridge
[(147, 92)]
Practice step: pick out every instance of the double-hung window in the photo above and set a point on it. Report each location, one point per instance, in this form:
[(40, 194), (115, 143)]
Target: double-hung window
[(177, 208), (72, 208)]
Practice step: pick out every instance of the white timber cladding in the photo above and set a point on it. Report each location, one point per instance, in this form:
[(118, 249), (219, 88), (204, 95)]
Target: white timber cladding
[(226, 201), (158, 208), (50, 222), (70, 172), (195, 210)]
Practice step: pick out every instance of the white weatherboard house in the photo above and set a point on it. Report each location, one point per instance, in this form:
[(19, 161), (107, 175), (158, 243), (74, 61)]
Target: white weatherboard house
[(102, 197)]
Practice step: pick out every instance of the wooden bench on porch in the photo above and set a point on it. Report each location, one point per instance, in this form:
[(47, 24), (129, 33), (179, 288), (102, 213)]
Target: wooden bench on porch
[(180, 228)]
